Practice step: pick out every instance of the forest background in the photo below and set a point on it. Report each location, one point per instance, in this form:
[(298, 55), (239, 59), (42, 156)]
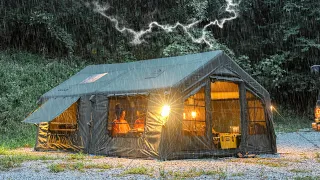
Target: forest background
[(43, 43)]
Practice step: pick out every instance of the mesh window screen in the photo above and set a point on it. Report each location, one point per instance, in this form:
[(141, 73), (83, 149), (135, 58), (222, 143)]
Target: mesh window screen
[(194, 123), (256, 114), (225, 105), (65, 122), (126, 116)]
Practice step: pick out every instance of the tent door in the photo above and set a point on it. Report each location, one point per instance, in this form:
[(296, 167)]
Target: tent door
[(97, 126), (90, 138), (227, 112)]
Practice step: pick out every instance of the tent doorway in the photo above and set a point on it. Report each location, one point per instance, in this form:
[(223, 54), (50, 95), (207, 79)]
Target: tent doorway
[(226, 114)]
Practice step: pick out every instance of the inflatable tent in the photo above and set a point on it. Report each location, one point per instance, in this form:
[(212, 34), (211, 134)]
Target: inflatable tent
[(191, 106)]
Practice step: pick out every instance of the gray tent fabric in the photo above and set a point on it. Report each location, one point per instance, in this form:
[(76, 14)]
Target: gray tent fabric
[(139, 76), (176, 81), (51, 109)]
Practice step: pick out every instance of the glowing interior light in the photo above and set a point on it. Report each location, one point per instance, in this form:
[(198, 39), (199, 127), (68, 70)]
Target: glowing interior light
[(193, 114), (271, 107), (184, 115), (165, 111)]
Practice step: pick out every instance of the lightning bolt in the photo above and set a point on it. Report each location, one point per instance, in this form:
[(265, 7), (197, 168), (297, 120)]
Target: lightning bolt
[(138, 35)]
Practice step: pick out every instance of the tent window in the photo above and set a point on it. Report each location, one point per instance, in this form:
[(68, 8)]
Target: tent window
[(126, 116), (93, 78), (225, 105), (194, 123), (65, 122), (255, 114)]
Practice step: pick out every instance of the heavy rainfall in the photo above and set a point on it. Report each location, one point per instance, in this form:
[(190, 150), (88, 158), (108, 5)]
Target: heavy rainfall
[(140, 89)]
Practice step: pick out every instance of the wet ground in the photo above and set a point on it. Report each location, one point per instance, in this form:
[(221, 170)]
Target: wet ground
[(298, 158)]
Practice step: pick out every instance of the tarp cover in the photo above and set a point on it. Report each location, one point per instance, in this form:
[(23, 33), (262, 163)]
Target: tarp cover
[(51, 109)]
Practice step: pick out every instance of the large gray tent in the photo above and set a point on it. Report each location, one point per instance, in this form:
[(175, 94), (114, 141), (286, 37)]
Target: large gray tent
[(189, 106)]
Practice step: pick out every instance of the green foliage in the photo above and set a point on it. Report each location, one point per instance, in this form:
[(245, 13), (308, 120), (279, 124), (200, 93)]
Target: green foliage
[(286, 120), (199, 8), (25, 77), (181, 46), (269, 71)]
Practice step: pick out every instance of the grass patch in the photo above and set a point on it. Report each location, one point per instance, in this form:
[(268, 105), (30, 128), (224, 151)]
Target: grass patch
[(4, 151), (196, 173), (317, 156), (78, 166), (56, 168), (291, 160), (12, 161), (307, 178), (98, 157), (77, 156), (299, 171), (98, 166), (272, 164), (137, 170), (119, 166), (284, 116), (162, 172), (238, 174), (262, 161)]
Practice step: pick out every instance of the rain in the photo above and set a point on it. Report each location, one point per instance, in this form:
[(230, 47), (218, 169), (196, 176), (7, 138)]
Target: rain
[(160, 89)]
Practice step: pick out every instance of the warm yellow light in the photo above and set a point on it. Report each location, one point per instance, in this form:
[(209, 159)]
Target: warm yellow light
[(184, 115), (271, 107), (165, 111), (193, 114)]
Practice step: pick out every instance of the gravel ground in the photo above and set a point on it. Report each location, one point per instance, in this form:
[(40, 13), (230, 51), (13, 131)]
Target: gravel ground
[(298, 158)]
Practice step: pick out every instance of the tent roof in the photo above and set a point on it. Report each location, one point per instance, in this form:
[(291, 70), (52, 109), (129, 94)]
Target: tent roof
[(139, 76), (134, 76)]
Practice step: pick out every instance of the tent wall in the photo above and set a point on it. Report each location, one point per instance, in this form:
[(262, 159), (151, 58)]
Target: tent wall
[(98, 128), (155, 125), (84, 122), (42, 137), (61, 133), (98, 139), (171, 129), (259, 134), (197, 141)]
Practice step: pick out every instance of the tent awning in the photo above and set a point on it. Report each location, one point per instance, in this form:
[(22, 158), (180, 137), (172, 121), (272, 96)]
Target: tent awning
[(51, 109)]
